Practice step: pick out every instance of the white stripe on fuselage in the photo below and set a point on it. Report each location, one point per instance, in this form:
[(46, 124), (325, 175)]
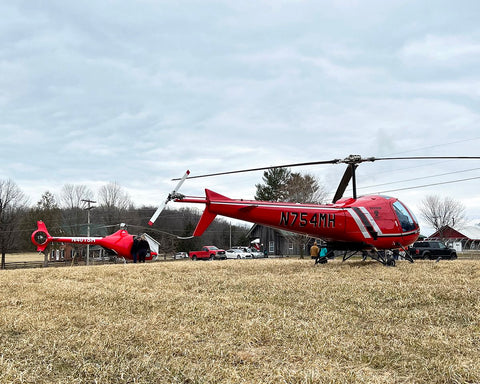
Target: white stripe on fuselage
[(371, 220), (359, 222), (290, 206)]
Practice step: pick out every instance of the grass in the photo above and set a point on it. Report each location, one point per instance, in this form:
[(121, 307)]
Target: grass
[(24, 256), (249, 321)]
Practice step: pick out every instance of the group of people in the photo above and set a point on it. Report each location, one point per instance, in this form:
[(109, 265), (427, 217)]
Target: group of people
[(140, 249), (319, 254)]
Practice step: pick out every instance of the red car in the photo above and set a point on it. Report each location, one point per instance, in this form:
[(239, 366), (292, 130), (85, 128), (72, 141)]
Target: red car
[(208, 252)]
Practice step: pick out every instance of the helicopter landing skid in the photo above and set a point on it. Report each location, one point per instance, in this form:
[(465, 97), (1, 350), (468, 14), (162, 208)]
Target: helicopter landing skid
[(380, 256)]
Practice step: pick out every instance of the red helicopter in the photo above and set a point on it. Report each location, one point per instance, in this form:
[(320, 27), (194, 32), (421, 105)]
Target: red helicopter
[(371, 224), (119, 242)]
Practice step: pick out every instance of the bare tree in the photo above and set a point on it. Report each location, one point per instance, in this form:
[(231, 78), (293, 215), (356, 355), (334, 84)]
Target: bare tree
[(114, 205), (73, 199), (113, 195), (12, 203), (304, 189), (72, 196), (440, 213)]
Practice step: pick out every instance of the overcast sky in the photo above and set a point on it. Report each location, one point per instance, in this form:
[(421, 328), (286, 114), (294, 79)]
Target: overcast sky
[(136, 92)]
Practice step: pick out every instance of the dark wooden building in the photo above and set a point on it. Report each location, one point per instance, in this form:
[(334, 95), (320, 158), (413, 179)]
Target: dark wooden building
[(280, 243)]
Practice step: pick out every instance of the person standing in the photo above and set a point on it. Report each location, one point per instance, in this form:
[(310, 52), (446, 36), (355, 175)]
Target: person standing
[(143, 249), (134, 249), (314, 250)]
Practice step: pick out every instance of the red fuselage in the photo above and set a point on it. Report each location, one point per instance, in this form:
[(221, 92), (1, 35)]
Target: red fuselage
[(367, 222)]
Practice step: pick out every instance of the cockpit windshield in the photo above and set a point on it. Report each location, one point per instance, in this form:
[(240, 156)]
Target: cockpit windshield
[(406, 220)]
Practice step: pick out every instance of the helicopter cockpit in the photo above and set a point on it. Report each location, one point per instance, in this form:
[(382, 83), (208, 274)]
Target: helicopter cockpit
[(406, 219)]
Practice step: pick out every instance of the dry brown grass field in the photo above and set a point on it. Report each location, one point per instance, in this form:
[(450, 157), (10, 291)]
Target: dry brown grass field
[(24, 257), (249, 321)]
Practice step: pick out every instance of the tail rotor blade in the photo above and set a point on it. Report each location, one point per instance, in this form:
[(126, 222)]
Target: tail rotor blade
[(157, 213), (170, 197)]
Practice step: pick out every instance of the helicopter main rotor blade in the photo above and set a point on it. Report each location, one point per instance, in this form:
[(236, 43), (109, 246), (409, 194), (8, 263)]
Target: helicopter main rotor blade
[(428, 158), (347, 176), (335, 161), (352, 159)]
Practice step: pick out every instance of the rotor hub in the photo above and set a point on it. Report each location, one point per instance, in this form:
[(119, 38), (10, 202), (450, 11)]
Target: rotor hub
[(355, 159)]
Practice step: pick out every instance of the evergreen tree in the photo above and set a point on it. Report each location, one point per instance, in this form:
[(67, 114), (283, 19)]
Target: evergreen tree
[(274, 185)]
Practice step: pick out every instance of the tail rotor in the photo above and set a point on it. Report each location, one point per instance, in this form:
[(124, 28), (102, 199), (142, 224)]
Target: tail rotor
[(170, 197), (41, 238)]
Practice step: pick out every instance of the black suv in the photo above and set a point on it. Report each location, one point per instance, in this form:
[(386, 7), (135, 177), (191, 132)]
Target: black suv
[(431, 250)]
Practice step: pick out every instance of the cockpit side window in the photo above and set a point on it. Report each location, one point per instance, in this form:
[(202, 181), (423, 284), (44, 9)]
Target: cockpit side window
[(406, 220)]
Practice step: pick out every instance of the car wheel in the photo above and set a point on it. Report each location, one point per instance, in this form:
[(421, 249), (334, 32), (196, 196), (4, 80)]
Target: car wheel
[(453, 256), (426, 256), (194, 258), (211, 257)]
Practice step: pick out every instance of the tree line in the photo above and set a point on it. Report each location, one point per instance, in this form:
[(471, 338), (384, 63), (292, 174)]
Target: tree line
[(66, 214)]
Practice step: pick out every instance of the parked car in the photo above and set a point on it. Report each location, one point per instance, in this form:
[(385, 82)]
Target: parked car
[(208, 252), (431, 250), (180, 255), (237, 253), (254, 252)]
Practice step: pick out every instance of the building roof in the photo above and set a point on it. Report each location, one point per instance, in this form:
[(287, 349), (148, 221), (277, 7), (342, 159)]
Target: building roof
[(471, 232)]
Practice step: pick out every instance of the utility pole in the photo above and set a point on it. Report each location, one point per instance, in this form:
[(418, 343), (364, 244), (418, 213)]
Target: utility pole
[(89, 207)]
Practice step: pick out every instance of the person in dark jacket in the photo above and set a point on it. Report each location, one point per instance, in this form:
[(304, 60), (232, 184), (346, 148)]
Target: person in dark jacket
[(143, 249), (134, 249)]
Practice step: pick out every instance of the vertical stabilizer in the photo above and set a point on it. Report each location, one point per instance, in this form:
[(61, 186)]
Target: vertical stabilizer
[(204, 222), (208, 216)]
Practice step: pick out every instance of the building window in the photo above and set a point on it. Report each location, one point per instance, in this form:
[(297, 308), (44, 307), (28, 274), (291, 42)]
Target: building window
[(271, 247), (290, 246)]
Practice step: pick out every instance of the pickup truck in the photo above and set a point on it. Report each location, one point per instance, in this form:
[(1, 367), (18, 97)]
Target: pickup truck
[(431, 250), (208, 252)]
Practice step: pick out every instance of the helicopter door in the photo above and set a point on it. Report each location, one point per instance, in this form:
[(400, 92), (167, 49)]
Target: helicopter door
[(407, 221)]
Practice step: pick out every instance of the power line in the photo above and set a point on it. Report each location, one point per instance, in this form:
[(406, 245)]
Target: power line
[(430, 185), (435, 146), (419, 178)]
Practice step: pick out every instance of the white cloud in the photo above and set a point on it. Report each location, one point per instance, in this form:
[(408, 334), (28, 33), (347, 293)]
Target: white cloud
[(139, 92), (442, 50)]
